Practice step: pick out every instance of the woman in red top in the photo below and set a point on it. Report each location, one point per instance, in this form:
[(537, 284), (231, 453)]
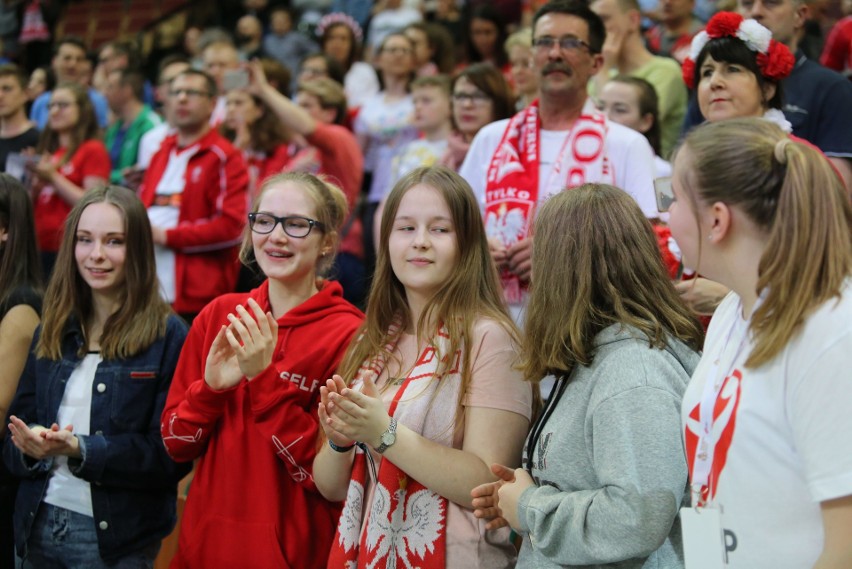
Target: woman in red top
[(244, 399), (73, 160), (251, 127)]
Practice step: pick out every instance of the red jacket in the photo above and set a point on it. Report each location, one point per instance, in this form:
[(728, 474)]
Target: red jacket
[(213, 209), (253, 502), (341, 158)]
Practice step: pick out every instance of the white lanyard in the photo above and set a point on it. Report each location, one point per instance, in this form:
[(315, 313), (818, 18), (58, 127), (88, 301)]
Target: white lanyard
[(706, 447)]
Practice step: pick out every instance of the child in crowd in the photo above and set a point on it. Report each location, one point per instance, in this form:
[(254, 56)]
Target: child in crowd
[(97, 487), (243, 404), (429, 388), (433, 118), (633, 102)]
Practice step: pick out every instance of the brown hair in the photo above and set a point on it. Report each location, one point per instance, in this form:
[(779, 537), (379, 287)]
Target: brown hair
[(142, 313), (329, 93), (331, 210), (596, 263), (789, 190), (85, 129), (646, 96), (266, 133), (472, 292), (19, 261), (490, 81), (12, 70)]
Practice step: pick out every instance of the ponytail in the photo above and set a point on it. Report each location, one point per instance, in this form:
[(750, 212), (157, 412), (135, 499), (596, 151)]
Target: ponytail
[(789, 189)]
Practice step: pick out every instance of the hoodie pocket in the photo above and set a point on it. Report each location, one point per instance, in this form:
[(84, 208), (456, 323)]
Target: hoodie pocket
[(221, 543)]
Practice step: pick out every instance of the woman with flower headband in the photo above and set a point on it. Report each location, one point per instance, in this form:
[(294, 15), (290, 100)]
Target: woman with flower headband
[(340, 38), (736, 69)]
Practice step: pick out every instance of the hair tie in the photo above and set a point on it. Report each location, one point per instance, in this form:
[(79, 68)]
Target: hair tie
[(781, 150)]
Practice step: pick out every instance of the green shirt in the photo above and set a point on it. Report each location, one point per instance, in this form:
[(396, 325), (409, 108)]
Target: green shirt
[(144, 121)]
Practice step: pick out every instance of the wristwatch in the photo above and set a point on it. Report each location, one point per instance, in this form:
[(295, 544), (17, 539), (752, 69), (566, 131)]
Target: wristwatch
[(388, 437)]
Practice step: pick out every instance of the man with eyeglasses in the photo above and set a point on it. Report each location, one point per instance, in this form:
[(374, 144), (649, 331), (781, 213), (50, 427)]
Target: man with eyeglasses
[(559, 141), (196, 192)]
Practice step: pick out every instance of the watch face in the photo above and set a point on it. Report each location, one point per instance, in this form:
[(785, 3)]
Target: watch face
[(388, 438)]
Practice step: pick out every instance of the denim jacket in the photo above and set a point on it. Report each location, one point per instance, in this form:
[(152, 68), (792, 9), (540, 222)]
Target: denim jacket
[(133, 480)]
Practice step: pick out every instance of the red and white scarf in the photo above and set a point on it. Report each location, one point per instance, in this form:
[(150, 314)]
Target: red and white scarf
[(406, 523), (512, 184)]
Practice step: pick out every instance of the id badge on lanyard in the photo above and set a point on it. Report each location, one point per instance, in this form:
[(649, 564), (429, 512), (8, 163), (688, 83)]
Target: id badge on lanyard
[(701, 525)]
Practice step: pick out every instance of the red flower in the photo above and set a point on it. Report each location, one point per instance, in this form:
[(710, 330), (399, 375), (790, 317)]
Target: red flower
[(724, 24), (777, 63), (688, 70)]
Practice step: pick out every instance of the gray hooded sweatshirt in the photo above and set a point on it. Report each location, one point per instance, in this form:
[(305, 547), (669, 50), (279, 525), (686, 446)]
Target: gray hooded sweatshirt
[(609, 463)]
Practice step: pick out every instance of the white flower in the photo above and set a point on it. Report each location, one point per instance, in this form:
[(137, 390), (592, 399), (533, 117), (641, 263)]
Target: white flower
[(698, 43), (754, 35), (777, 117)]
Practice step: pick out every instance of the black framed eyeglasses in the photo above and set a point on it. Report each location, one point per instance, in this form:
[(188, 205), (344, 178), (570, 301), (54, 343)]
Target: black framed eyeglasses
[(293, 225), (566, 43), (665, 194), (477, 98)]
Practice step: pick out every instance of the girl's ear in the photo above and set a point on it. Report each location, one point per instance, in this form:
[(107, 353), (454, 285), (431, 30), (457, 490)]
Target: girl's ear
[(720, 221), (646, 122)]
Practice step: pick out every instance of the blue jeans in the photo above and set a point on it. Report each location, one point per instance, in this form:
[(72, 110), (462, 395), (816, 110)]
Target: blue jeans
[(63, 539)]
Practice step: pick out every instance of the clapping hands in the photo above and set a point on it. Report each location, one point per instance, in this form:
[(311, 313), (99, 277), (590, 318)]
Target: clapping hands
[(243, 348)]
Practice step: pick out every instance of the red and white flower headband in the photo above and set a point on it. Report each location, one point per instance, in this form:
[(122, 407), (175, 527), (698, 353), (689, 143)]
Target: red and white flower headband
[(774, 59), (339, 18)]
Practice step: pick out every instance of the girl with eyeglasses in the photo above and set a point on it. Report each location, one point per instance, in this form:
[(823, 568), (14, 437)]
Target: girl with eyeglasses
[(481, 96), (244, 401), (429, 390), (73, 160), (97, 488)]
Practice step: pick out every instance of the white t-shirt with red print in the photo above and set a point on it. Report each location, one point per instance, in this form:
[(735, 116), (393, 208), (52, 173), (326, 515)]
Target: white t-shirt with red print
[(781, 436)]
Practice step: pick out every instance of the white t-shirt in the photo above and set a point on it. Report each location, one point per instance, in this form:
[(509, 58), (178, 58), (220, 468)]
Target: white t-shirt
[(150, 143), (782, 437), (64, 490), (360, 83), (630, 156), (167, 217)]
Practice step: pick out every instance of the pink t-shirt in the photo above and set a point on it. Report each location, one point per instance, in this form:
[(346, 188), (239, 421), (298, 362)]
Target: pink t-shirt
[(495, 384)]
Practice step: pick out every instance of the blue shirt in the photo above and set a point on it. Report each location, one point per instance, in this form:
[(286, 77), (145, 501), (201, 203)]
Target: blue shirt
[(39, 111)]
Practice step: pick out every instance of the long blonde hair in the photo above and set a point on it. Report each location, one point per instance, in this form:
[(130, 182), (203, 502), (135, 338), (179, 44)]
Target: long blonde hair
[(142, 314), (790, 190), (596, 263), (472, 292)]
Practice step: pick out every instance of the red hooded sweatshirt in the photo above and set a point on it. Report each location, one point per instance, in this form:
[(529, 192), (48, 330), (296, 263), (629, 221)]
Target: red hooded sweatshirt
[(253, 502)]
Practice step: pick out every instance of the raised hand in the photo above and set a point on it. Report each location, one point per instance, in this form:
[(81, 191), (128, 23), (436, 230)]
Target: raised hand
[(334, 385), (359, 415), (222, 370), (253, 337)]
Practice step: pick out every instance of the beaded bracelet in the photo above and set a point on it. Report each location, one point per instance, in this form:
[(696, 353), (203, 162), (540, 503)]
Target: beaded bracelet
[(336, 448)]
